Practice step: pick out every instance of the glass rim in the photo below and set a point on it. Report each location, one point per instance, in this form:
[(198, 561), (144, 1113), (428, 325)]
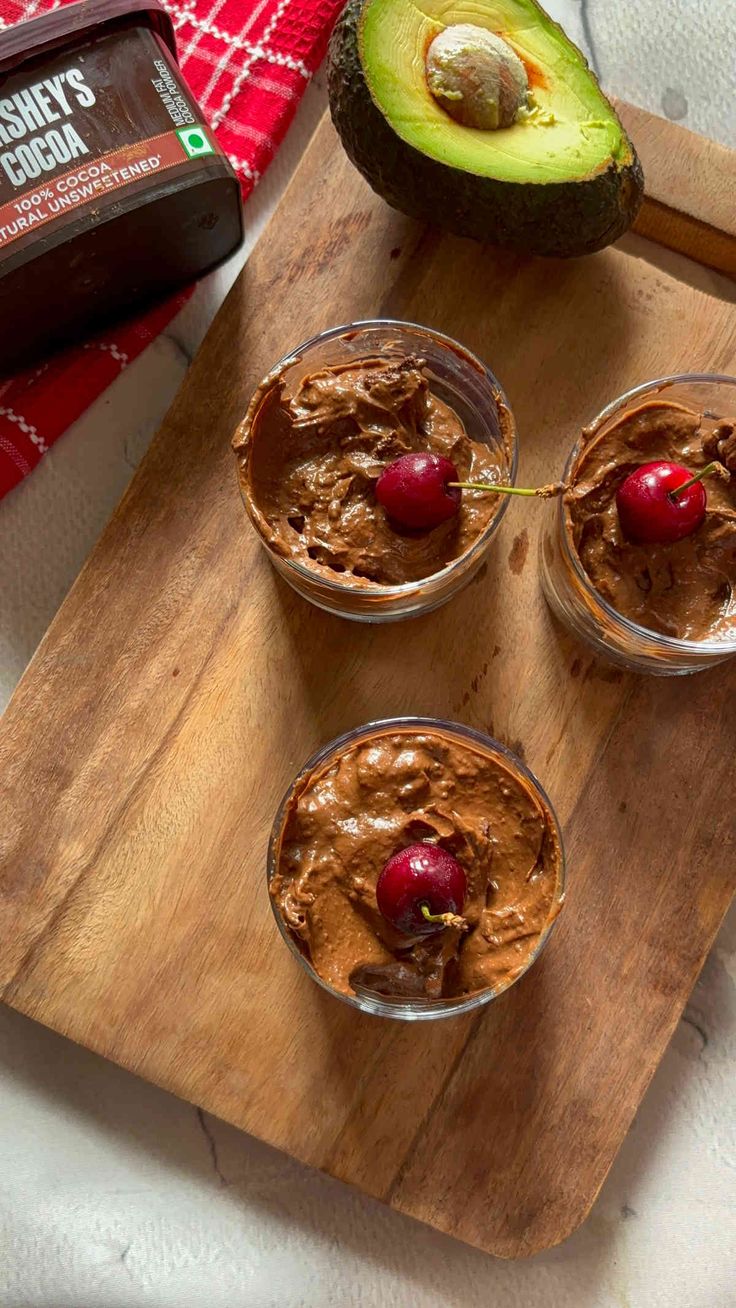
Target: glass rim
[(459, 350), (402, 1007), (672, 643)]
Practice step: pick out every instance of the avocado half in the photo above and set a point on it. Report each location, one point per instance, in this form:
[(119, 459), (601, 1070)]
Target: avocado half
[(562, 180)]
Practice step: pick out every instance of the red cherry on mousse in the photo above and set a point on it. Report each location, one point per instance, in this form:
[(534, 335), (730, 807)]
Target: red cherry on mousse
[(418, 878), (414, 490), (422, 490), (661, 503)]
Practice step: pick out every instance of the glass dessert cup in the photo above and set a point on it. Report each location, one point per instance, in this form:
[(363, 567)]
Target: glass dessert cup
[(459, 379), (567, 587), (402, 1007)]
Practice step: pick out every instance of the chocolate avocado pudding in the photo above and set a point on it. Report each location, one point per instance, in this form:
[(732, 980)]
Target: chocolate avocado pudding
[(312, 448), (401, 787), (685, 589)]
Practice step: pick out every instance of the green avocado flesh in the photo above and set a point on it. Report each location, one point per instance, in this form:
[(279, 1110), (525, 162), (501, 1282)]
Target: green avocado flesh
[(578, 135), (562, 179)]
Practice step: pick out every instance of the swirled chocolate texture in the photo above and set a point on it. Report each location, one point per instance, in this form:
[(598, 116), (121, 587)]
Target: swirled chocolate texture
[(685, 590), (349, 816), (315, 450)]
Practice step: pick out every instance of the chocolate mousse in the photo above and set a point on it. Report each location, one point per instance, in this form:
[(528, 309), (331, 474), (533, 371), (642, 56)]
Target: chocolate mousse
[(385, 792), (312, 448), (686, 589)]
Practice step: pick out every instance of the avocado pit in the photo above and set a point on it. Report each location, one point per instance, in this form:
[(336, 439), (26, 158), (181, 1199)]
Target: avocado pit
[(476, 77)]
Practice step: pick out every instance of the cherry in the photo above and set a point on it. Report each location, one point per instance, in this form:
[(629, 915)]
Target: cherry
[(422, 490), (414, 490), (421, 889), (660, 503)]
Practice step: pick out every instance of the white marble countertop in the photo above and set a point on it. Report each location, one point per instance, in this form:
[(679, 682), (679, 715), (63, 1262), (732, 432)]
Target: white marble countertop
[(116, 1195)]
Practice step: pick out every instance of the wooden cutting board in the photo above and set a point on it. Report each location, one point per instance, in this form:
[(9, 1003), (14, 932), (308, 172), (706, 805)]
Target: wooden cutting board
[(182, 684)]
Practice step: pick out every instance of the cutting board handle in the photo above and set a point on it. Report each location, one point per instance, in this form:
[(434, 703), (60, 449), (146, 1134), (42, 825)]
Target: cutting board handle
[(690, 183)]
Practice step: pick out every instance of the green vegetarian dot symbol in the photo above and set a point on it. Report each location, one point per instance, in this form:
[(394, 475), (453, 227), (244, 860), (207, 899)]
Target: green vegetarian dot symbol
[(195, 141)]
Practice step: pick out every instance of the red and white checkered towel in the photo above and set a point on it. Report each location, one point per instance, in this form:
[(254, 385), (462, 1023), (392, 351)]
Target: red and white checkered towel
[(248, 63)]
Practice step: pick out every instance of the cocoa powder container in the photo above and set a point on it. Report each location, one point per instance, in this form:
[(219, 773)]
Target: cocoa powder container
[(113, 190)]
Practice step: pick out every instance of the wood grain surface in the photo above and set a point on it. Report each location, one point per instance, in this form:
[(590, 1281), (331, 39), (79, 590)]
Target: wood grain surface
[(182, 684), (689, 204)]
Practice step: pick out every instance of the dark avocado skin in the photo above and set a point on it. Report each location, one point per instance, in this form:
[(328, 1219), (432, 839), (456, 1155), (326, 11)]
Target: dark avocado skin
[(559, 219)]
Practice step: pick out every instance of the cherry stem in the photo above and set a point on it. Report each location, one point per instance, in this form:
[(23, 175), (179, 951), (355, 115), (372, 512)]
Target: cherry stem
[(445, 919), (705, 472), (543, 492)]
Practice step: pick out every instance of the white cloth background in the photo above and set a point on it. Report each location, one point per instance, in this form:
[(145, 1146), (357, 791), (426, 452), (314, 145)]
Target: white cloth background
[(114, 1194)]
